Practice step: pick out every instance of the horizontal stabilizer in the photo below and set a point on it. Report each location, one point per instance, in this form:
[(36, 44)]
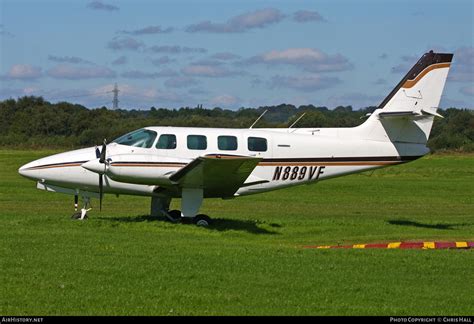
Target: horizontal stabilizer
[(431, 111), (419, 114), (393, 114)]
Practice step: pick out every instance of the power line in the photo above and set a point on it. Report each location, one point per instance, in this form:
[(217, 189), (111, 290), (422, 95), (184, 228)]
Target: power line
[(96, 94), (79, 96)]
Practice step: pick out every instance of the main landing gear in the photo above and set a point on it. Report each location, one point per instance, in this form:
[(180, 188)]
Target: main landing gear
[(190, 204), (82, 214), (175, 216)]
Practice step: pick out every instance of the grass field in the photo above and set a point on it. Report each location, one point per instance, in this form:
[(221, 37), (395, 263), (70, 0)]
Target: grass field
[(251, 262)]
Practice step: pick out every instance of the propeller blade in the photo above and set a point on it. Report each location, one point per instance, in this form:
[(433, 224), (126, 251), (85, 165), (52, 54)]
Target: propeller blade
[(101, 191), (102, 160), (103, 151), (97, 152)]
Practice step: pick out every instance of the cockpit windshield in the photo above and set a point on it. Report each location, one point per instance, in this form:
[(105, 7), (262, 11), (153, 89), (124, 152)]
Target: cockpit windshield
[(139, 138)]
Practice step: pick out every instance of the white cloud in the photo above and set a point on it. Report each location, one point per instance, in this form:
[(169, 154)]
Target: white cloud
[(68, 59), (150, 30), (241, 23), (356, 100), (100, 5), (407, 63), (23, 72), (4, 32), (303, 16), (136, 74), (70, 72), (309, 59), (180, 82), (225, 100), (120, 60), (18, 92), (468, 91), (203, 70), (225, 56), (463, 65), (161, 60), (124, 43), (447, 102), (307, 83), (175, 49)]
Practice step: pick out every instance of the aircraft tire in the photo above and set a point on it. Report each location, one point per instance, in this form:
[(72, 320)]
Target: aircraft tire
[(77, 215), (175, 215), (202, 220)]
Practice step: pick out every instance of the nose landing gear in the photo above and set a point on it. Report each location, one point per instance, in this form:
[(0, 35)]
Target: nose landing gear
[(82, 214)]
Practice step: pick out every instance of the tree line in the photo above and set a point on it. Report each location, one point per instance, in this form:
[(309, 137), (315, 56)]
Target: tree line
[(32, 122)]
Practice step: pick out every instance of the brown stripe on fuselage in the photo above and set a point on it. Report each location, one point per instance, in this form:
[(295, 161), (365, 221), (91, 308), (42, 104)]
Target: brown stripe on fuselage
[(411, 83), (355, 163), (64, 165), (149, 165)]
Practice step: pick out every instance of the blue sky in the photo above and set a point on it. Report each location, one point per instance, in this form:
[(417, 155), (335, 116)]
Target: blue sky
[(229, 53)]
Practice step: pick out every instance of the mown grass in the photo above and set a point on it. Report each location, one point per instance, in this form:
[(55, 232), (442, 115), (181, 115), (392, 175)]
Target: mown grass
[(252, 261)]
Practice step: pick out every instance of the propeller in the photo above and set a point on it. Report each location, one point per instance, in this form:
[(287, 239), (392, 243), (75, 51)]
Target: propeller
[(102, 159)]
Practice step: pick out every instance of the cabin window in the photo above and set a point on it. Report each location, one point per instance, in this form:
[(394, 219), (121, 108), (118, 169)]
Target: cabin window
[(166, 142), (139, 138), (257, 144), (227, 143), (197, 142)]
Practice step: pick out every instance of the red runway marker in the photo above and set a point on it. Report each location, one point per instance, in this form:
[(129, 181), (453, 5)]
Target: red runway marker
[(400, 245)]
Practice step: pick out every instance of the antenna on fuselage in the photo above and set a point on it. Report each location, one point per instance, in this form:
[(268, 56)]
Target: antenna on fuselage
[(258, 119), (297, 120)]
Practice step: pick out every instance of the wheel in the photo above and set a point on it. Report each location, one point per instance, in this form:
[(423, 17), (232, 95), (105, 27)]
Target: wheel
[(174, 215), (77, 215), (202, 220)]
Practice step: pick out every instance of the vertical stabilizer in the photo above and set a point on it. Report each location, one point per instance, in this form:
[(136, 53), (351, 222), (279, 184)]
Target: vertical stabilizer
[(422, 86), (406, 115)]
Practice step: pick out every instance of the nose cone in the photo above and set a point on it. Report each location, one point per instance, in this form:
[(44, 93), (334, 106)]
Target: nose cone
[(94, 166), (56, 167), (27, 170)]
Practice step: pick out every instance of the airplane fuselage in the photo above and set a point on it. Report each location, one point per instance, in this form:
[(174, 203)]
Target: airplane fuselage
[(290, 157)]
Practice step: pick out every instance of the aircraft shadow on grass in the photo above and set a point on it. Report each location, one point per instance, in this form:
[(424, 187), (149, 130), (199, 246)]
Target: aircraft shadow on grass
[(402, 222), (218, 224)]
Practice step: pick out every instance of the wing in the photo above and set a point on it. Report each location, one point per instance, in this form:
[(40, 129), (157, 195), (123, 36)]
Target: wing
[(217, 175)]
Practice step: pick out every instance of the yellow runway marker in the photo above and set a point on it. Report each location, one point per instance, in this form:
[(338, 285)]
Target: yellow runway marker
[(428, 245), (394, 245), (461, 244)]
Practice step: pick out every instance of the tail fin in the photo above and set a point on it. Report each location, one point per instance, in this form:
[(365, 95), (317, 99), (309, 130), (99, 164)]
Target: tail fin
[(422, 85), (406, 114)]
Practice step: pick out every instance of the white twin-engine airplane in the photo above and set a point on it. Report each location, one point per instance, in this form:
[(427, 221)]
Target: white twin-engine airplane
[(197, 163)]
